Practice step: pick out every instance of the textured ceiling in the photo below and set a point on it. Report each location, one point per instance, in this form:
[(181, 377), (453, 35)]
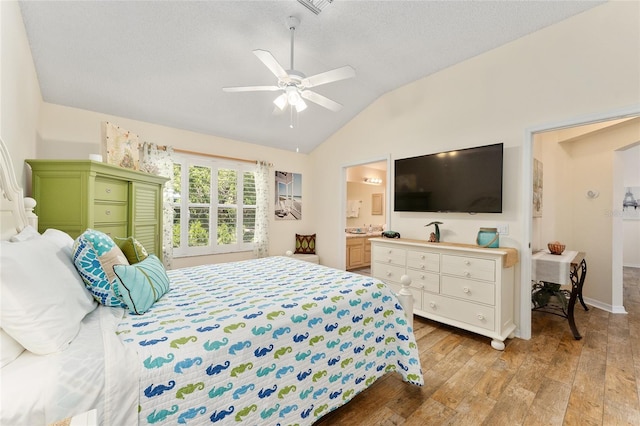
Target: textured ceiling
[(165, 62)]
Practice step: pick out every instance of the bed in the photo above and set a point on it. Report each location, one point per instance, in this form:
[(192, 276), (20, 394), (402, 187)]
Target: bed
[(266, 341)]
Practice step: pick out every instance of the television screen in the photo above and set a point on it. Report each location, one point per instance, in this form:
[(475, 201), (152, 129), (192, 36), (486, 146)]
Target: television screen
[(467, 180)]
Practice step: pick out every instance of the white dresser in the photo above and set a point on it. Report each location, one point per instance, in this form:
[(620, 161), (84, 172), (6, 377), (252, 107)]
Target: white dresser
[(464, 286)]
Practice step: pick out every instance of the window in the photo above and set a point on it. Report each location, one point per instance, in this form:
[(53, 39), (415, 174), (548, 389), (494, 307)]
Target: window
[(214, 203)]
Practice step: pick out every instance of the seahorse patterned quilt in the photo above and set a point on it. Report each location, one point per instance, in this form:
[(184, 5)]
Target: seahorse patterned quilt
[(266, 341)]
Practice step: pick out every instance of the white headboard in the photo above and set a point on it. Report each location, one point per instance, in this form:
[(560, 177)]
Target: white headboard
[(13, 215)]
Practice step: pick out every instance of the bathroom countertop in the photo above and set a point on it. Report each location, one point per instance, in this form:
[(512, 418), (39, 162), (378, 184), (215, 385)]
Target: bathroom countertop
[(363, 235)]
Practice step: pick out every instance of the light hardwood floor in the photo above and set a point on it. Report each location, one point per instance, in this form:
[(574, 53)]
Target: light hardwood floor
[(551, 379)]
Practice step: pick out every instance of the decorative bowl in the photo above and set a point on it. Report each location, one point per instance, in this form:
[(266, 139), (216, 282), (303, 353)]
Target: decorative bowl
[(556, 247)]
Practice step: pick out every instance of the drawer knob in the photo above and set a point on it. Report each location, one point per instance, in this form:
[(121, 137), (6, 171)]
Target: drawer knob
[(421, 266), (467, 274), (422, 256), (480, 317), (107, 190), (389, 260), (107, 212), (466, 262), (432, 304), (388, 273), (422, 277), (466, 290), (389, 251)]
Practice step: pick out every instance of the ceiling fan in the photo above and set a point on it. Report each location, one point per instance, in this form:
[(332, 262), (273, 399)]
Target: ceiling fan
[(293, 84)]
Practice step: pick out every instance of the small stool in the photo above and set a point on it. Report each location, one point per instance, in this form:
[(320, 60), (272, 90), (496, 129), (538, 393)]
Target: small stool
[(312, 258)]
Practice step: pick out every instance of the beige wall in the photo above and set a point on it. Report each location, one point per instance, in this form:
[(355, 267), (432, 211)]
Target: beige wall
[(585, 162), (631, 227), (358, 190), (592, 219), (560, 73), (363, 192), (20, 97), (555, 176), (588, 64), (74, 133), (497, 96)]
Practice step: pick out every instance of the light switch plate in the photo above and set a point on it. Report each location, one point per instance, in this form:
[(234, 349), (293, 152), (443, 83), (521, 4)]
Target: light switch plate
[(503, 229)]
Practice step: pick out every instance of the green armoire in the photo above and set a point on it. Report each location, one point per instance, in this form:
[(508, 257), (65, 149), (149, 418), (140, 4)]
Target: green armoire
[(73, 195)]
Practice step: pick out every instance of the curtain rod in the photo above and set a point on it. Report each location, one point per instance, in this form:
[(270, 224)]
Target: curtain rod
[(244, 160)]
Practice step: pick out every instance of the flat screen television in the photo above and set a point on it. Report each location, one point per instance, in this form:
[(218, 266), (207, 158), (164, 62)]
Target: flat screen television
[(466, 180)]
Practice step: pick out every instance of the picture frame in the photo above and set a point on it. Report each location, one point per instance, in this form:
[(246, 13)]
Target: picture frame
[(631, 203), (120, 147), (537, 188), (288, 194)]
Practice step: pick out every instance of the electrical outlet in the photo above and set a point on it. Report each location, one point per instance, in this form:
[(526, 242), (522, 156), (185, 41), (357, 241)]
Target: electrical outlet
[(503, 229)]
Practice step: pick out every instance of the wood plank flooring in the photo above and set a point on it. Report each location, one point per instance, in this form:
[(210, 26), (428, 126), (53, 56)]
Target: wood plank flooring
[(551, 379)]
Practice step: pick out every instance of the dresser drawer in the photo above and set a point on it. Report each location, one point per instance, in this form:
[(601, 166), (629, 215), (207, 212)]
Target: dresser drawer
[(111, 190), (110, 213), (387, 272), (460, 311), (474, 291), (423, 261), (117, 230), (469, 267), (427, 281), (392, 256)]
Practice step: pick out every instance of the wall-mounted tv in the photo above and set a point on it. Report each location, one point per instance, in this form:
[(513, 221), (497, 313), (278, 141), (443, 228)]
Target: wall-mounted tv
[(467, 180)]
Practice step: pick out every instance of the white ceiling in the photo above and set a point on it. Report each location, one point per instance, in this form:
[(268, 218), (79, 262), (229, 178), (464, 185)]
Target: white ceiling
[(166, 62)]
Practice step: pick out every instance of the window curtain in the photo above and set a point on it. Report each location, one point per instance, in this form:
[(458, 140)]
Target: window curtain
[(261, 247), (158, 160)]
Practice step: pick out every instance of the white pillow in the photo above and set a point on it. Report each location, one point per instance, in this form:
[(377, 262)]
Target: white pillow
[(60, 239), (27, 233), (9, 348), (43, 299)]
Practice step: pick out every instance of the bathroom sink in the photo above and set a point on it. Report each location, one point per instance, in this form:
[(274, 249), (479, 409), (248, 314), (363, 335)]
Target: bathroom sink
[(359, 231)]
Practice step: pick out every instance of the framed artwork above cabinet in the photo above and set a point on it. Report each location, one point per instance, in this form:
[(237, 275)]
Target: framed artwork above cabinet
[(377, 201)]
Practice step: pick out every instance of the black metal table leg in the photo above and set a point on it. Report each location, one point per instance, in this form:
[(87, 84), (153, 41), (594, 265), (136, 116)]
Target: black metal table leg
[(583, 273), (578, 274), (570, 310)]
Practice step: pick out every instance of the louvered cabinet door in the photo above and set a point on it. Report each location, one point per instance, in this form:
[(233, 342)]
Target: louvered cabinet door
[(146, 216)]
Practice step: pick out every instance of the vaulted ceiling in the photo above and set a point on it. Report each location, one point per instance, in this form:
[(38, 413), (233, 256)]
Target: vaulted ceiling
[(166, 62)]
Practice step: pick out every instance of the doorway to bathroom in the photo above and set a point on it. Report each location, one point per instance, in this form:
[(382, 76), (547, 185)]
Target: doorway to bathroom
[(366, 211)]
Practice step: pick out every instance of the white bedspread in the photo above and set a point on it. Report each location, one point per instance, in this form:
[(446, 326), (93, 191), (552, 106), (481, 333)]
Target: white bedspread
[(264, 342), (38, 390)]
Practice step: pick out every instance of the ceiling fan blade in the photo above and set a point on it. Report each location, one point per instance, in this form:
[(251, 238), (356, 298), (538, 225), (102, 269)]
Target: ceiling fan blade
[(321, 100), (329, 76), (251, 89), (274, 66)]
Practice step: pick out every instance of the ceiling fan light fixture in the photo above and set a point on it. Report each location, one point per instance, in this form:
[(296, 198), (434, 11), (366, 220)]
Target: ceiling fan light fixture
[(293, 97), (281, 101), (294, 84), (300, 105)]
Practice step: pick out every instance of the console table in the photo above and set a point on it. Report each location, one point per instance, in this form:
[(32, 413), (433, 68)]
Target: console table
[(549, 272), (463, 285)]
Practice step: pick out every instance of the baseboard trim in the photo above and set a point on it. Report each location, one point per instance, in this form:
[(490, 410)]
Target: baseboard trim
[(619, 309)]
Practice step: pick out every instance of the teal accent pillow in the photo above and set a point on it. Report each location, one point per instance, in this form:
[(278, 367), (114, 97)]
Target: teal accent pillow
[(94, 254), (140, 285)]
